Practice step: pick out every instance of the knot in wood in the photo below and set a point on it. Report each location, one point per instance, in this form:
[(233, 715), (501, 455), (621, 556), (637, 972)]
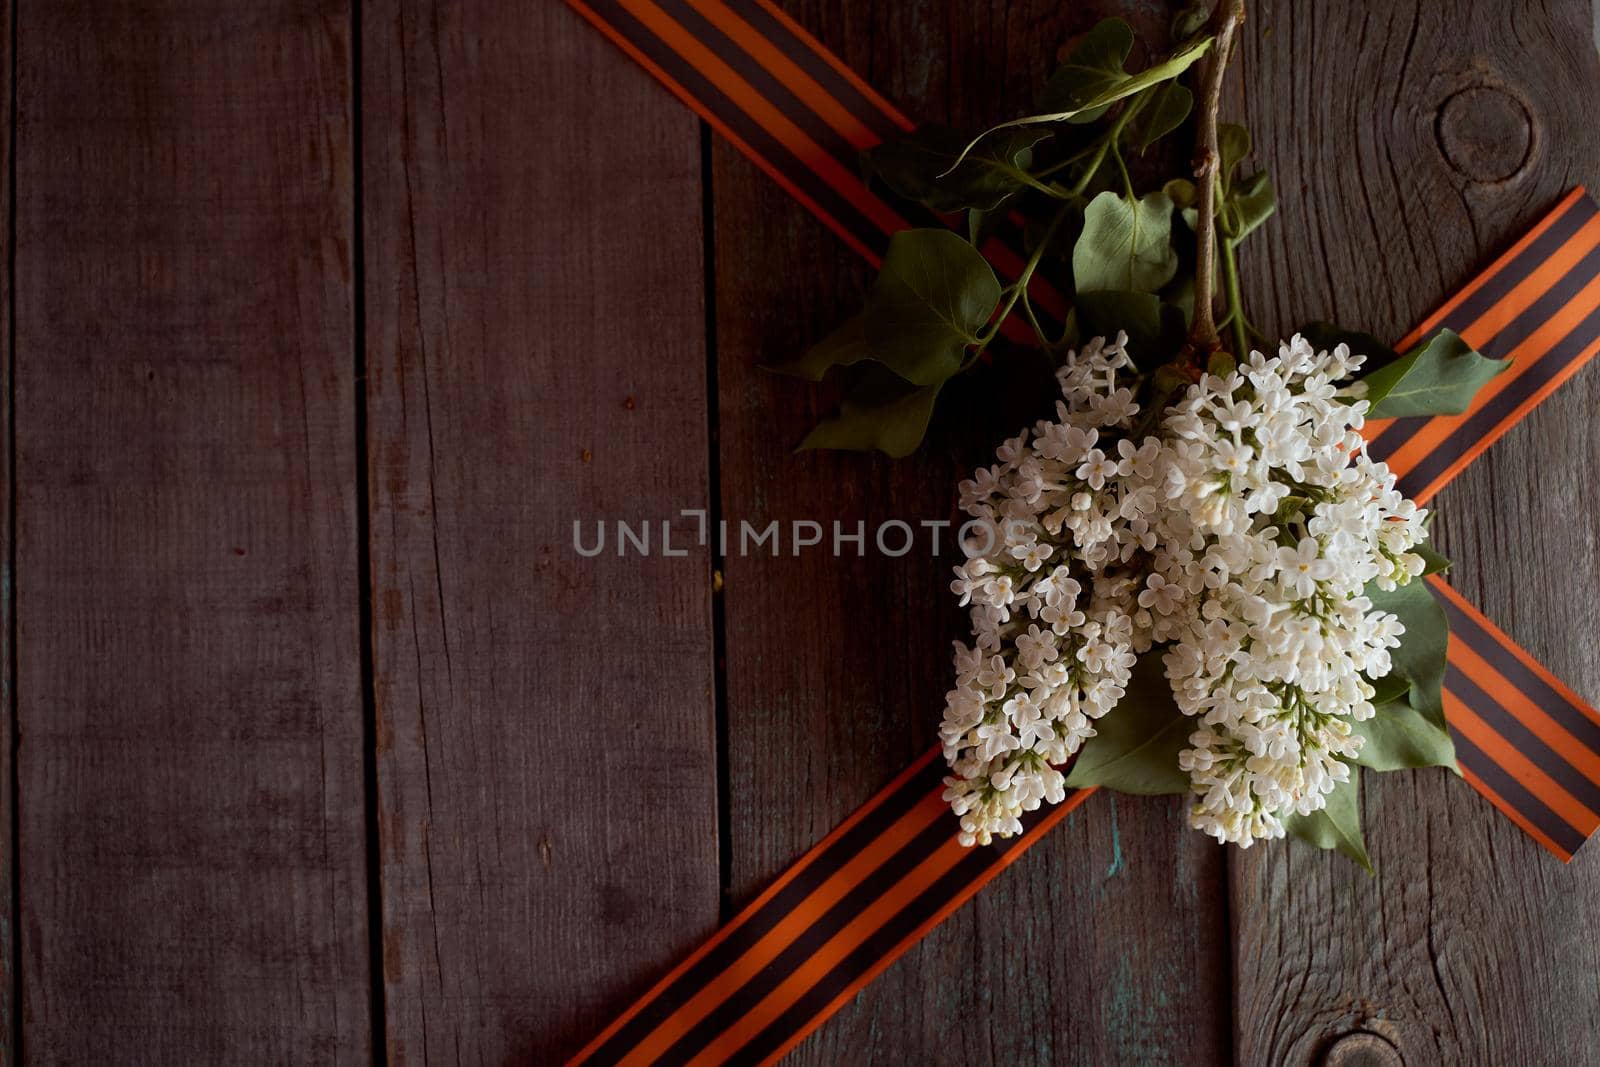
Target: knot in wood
[(1362, 1049), (1485, 133)]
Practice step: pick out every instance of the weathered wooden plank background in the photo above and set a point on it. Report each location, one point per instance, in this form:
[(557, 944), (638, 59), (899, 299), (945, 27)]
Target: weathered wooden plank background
[(321, 745), (536, 354), (189, 787)]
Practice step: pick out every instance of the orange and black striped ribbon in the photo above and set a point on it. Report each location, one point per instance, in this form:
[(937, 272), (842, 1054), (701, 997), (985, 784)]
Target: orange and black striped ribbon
[(1538, 306), (791, 107), (1523, 739), (893, 870)]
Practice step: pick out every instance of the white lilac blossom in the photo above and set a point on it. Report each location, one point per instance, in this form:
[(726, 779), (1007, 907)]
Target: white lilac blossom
[(1277, 520), (1236, 539), (1053, 639)]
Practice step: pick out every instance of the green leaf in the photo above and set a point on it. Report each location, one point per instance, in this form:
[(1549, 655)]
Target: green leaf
[(1136, 744), (1233, 145), (882, 411), (1168, 106), (980, 226), (1093, 67), (1399, 737), (1337, 826), (1248, 205), (1420, 659), (1191, 19), (1125, 244), (1181, 191), (1173, 66), (841, 348), (1389, 688), (1439, 378), (1434, 561), (933, 294), (922, 166)]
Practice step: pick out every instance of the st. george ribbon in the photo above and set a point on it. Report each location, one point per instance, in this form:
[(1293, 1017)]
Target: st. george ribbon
[(868, 891)]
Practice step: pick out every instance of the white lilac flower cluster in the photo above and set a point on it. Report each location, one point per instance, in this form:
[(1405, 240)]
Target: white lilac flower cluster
[(1236, 536)]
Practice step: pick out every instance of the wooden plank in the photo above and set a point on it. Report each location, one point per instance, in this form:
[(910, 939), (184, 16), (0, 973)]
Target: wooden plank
[(191, 840), (546, 731), (10, 1018), (1410, 142), (837, 667)]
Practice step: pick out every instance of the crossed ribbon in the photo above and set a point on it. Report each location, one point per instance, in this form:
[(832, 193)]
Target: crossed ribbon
[(892, 871)]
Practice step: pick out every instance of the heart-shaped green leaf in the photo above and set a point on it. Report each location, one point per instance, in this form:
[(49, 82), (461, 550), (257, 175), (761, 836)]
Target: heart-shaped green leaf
[(1136, 744), (933, 294), (1440, 377), (1125, 244)]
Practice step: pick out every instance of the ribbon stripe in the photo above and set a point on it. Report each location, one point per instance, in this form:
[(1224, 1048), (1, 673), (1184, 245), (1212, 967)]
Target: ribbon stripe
[(1537, 686), (1523, 313), (1534, 248), (1485, 426), (1472, 307), (780, 116), (895, 888), (1538, 323), (772, 74), (786, 900), (1567, 288), (855, 95), (856, 913), (874, 886), (973, 870), (745, 132), (799, 96), (1505, 792), (838, 174), (1565, 784), (1539, 732)]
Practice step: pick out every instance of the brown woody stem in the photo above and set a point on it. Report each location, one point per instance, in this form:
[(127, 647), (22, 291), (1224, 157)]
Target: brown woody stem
[(1203, 338)]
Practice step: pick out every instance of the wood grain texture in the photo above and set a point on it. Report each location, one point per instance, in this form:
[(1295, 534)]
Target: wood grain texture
[(536, 353), (1106, 942), (187, 600), (193, 883), (1410, 143)]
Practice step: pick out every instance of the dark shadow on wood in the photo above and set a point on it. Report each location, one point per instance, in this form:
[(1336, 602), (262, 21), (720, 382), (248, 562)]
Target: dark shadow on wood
[(369, 704), (10, 868)]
